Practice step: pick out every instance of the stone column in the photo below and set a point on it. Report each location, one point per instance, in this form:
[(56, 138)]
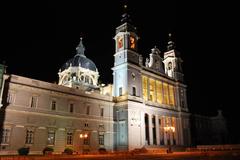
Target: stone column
[(142, 125), (164, 132), (180, 131), (157, 129), (150, 129)]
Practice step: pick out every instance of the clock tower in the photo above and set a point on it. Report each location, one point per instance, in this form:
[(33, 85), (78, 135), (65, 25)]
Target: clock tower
[(125, 53)]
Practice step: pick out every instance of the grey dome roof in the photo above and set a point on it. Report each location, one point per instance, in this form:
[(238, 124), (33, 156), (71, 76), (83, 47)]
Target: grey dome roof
[(80, 60)]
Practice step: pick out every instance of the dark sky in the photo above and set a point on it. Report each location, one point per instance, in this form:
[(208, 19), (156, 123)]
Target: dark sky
[(38, 38)]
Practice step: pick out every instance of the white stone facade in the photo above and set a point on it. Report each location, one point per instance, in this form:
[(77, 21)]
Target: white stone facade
[(143, 107)]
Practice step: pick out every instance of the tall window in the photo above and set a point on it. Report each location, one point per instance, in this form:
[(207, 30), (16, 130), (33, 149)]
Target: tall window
[(120, 91), (29, 137), (10, 97), (71, 107), (182, 104), (5, 136), (102, 111), (53, 107), (87, 79), (51, 138), (171, 95), (88, 110), (134, 91), (69, 138), (165, 93), (33, 102), (159, 92), (145, 87), (101, 139), (152, 90)]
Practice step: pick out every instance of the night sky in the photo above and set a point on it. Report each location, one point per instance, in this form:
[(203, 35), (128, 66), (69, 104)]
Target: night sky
[(38, 38)]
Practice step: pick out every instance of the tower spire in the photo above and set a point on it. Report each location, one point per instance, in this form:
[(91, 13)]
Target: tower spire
[(171, 44), (125, 15), (80, 48)]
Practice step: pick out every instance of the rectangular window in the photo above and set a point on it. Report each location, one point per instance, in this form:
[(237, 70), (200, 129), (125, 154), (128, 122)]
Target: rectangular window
[(101, 139), (159, 92), (10, 97), (69, 138), (34, 102), (53, 105), (51, 138), (171, 95), (182, 104), (5, 136), (71, 108), (120, 91), (165, 93), (145, 88), (152, 90), (134, 91), (29, 137), (102, 111), (88, 110)]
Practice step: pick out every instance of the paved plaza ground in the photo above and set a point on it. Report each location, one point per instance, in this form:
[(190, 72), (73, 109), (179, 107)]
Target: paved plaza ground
[(210, 155)]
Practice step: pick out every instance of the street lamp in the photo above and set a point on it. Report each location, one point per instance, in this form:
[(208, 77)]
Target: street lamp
[(168, 130), (84, 136)]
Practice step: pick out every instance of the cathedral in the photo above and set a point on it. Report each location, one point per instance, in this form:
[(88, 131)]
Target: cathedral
[(145, 106)]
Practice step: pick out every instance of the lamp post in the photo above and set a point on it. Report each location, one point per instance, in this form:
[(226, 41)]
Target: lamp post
[(169, 130)]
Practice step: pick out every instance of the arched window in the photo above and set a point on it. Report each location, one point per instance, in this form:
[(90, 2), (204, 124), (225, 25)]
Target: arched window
[(82, 78), (87, 79), (91, 81)]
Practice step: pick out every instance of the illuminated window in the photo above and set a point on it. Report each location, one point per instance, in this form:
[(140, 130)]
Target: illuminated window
[(29, 137), (51, 138), (134, 91), (53, 107), (145, 88), (71, 108), (152, 90), (159, 92), (69, 138), (120, 42), (171, 95), (132, 42), (165, 93), (120, 91), (5, 136), (34, 102), (101, 139)]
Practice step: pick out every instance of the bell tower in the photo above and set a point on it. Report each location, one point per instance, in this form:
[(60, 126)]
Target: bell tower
[(125, 53), (172, 61)]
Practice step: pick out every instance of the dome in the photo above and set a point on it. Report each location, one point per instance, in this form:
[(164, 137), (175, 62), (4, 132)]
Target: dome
[(80, 60)]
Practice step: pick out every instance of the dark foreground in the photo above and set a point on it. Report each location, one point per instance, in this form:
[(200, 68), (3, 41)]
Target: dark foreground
[(210, 155)]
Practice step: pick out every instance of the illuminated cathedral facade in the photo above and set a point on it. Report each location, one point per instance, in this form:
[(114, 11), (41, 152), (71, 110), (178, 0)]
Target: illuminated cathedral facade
[(145, 106)]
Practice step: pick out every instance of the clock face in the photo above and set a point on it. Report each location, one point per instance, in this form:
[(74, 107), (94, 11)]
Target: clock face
[(120, 42), (132, 42)]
